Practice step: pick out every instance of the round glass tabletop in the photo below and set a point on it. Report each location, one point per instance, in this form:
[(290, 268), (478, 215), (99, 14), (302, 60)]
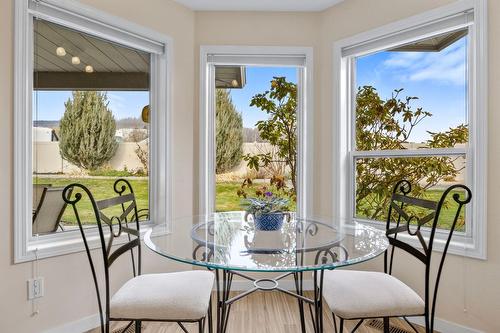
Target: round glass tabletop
[(231, 241)]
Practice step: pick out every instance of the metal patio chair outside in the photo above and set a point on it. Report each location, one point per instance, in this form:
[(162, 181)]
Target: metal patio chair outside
[(49, 212), (38, 191)]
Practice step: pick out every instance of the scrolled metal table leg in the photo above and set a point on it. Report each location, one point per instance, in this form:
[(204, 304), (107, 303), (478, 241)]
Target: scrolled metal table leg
[(299, 289), (318, 301), (218, 302), (223, 307), (224, 302)]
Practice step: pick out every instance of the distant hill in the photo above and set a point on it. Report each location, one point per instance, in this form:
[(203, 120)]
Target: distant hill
[(251, 135), (130, 123), (46, 123), (120, 123)]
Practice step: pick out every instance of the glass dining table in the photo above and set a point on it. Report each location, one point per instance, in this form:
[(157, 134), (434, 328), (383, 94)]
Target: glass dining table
[(229, 244)]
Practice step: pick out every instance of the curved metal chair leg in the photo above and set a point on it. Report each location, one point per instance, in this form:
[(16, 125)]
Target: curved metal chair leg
[(201, 326), (183, 328), (137, 326), (410, 324), (357, 325), (210, 319), (341, 325), (386, 325), (334, 322)]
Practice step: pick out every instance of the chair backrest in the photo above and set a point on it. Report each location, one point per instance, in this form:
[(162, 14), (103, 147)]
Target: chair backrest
[(38, 191), (409, 216), (49, 212), (114, 217)]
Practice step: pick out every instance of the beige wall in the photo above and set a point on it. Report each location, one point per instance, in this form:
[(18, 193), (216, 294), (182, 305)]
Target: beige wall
[(344, 20), (467, 284), (69, 295), (47, 158), (469, 293), (255, 29)]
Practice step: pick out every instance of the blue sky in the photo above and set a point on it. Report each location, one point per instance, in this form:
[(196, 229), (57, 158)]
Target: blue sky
[(49, 105), (258, 81), (437, 78), (129, 104)]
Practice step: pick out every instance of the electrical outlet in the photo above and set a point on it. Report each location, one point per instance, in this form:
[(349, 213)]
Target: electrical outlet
[(35, 288)]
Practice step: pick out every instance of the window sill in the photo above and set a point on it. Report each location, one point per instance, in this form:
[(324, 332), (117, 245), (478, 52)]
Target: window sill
[(68, 242)]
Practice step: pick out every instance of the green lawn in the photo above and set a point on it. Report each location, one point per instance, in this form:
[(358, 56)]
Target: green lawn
[(447, 212), (227, 199), (101, 188)]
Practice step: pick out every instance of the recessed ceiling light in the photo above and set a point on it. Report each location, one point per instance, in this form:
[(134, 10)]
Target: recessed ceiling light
[(89, 69), (60, 51), (75, 61)]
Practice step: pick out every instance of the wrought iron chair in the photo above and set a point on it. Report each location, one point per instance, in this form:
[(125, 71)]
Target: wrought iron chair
[(361, 295), (179, 297)]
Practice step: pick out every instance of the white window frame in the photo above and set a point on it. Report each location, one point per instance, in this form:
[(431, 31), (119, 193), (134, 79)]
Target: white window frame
[(473, 242), (256, 55), (76, 16)]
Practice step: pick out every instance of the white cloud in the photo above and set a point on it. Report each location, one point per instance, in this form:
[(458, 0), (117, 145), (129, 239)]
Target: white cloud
[(447, 66), (116, 101), (403, 59)]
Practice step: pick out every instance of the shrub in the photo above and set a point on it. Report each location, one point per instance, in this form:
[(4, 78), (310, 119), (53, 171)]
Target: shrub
[(229, 133), (280, 129), (389, 124), (142, 153), (87, 130)]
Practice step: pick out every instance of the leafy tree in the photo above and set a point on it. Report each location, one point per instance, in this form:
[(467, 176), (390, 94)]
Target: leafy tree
[(389, 124), (229, 132), (136, 135), (87, 130), (280, 129)]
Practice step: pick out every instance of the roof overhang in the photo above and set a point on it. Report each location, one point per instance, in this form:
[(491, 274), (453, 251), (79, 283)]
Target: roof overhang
[(230, 77), (434, 44), (114, 67)]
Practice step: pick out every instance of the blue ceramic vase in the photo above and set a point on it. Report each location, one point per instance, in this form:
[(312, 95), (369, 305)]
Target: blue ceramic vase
[(269, 221)]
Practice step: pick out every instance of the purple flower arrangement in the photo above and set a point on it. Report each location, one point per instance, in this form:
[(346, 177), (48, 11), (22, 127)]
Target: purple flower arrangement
[(267, 203)]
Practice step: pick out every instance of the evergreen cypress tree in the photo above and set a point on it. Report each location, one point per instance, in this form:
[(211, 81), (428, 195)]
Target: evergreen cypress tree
[(87, 130), (229, 132)]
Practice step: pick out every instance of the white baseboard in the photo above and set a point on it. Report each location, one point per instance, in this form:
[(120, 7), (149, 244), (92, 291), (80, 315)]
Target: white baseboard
[(444, 326), (87, 323), (78, 326)]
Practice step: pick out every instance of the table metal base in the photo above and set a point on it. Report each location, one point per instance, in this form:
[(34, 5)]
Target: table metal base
[(224, 281)]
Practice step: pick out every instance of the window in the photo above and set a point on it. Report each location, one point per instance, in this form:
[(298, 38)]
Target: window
[(256, 143), (90, 113), (243, 139), (410, 101), (409, 95), (88, 128)]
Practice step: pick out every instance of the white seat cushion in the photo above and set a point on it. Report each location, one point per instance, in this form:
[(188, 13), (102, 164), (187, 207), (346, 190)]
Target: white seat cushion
[(168, 296), (357, 294)]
